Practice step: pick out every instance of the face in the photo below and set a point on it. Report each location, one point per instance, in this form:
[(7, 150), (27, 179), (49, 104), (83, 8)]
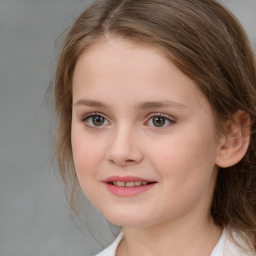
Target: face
[(143, 136)]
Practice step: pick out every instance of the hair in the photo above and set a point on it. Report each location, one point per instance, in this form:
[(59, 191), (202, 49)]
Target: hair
[(208, 44)]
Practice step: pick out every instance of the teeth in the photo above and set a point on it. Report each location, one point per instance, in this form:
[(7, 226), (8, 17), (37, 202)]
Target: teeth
[(129, 184), (137, 183), (120, 184)]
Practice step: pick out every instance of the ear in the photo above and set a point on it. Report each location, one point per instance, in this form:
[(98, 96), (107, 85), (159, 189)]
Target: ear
[(234, 143)]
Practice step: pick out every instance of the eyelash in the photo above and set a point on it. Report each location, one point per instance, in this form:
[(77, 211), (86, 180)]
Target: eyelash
[(149, 118), (91, 115), (160, 115)]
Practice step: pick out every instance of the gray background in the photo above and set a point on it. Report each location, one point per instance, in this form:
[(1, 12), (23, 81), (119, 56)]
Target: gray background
[(35, 219)]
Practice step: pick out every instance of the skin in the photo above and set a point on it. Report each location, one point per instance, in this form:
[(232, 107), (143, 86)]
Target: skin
[(114, 79)]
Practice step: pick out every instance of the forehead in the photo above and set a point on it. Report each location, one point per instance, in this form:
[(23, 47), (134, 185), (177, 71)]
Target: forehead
[(109, 52), (117, 68)]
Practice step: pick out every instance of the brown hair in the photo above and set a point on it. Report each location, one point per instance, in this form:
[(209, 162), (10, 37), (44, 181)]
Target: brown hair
[(207, 43)]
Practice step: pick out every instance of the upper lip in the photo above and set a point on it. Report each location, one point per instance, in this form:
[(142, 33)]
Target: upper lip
[(126, 179)]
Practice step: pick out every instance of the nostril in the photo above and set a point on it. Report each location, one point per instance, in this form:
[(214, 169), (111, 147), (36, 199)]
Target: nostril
[(129, 160)]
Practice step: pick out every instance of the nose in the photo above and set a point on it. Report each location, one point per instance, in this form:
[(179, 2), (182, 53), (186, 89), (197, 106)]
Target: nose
[(124, 148)]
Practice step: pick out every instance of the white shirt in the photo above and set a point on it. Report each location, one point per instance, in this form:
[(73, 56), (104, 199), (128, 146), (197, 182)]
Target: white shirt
[(224, 247)]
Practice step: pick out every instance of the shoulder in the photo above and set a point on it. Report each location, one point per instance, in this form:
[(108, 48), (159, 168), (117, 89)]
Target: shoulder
[(111, 249), (235, 246)]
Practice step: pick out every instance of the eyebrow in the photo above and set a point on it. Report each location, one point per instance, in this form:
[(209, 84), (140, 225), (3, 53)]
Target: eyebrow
[(90, 103), (139, 106), (159, 104)]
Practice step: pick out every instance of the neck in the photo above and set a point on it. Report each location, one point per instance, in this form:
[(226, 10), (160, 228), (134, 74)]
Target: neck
[(170, 239)]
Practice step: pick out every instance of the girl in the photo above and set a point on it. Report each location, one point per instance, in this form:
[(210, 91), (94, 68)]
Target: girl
[(156, 117)]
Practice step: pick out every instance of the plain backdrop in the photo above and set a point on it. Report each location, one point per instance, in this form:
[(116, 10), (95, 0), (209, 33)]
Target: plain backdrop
[(35, 219)]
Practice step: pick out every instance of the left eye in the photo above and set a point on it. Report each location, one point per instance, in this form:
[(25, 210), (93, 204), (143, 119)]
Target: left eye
[(159, 121), (95, 120)]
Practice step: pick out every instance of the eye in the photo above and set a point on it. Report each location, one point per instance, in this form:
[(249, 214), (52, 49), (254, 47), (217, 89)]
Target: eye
[(95, 120), (160, 121)]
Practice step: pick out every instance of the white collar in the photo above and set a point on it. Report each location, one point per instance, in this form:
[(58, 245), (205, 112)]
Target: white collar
[(111, 249), (219, 248), (224, 247)]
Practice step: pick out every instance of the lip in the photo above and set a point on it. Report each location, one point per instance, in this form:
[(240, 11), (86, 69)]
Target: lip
[(126, 179), (128, 191)]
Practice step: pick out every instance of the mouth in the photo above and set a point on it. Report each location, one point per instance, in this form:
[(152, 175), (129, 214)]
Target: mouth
[(130, 183), (128, 186)]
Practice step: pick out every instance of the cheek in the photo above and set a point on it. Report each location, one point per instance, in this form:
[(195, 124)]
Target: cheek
[(186, 157), (87, 158), (86, 154), (186, 168)]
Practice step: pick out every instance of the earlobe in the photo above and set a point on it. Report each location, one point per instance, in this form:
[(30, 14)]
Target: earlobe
[(235, 141)]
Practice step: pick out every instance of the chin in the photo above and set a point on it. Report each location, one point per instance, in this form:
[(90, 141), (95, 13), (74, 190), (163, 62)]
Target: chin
[(127, 219)]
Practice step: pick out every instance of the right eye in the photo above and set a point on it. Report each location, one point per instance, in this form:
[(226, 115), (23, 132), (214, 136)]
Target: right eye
[(95, 120)]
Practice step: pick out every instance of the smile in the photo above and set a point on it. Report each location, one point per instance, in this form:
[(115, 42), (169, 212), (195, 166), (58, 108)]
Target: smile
[(129, 184)]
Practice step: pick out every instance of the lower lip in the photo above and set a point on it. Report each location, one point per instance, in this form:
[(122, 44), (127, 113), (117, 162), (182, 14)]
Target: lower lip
[(128, 191)]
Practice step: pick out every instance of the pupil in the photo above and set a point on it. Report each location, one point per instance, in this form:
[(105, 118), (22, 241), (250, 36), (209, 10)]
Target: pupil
[(159, 121), (98, 120)]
